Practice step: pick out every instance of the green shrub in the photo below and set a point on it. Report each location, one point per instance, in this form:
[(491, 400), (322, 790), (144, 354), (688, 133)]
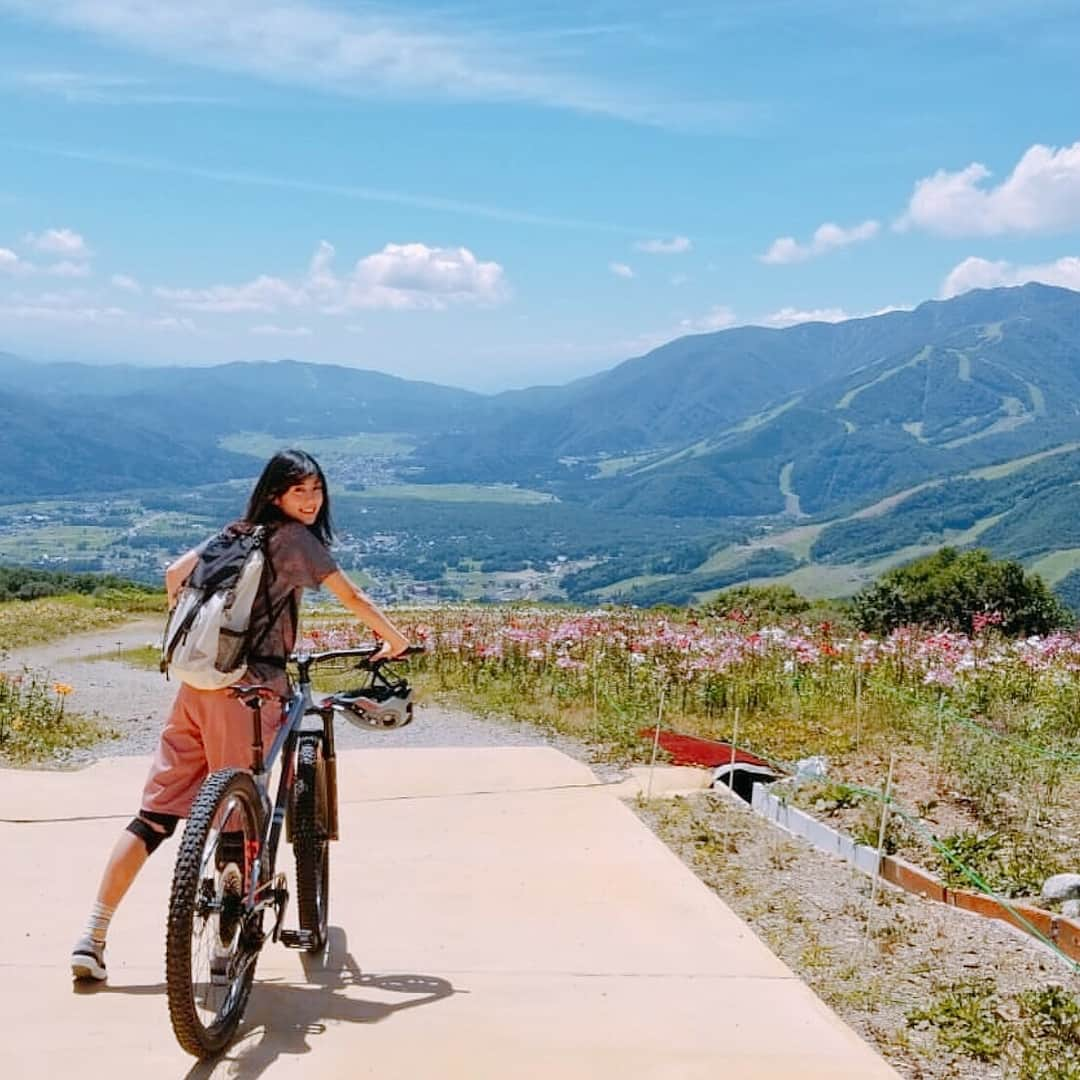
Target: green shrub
[(962, 591), (26, 583)]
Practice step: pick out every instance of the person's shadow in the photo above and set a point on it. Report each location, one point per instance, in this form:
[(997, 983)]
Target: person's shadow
[(281, 1017)]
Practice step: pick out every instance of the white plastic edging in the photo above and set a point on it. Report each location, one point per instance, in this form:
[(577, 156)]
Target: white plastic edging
[(799, 823)]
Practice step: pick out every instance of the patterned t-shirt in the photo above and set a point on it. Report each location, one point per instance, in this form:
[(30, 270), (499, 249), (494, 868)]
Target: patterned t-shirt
[(299, 561)]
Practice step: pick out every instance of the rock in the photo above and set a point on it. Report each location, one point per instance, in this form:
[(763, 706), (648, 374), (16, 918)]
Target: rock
[(1062, 887), (815, 768), (1071, 909)]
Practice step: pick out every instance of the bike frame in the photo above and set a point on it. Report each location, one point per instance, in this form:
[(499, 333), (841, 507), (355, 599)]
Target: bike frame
[(298, 707)]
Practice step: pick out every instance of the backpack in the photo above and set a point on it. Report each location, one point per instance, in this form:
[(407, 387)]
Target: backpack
[(209, 637)]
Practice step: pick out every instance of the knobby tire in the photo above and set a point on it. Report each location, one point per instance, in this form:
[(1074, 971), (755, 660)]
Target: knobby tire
[(196, 1037), (311, 845)]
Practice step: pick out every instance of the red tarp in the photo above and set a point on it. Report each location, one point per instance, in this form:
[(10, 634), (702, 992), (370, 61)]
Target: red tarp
[(691, 750)]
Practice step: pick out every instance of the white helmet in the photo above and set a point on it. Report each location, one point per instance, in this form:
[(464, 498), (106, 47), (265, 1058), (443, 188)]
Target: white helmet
[(383, 707)]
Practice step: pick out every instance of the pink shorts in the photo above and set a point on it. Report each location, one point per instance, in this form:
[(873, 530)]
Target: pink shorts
[(207, 730)]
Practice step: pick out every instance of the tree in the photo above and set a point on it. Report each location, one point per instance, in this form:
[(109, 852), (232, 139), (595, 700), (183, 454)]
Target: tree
[(759, 602), (959, 590)]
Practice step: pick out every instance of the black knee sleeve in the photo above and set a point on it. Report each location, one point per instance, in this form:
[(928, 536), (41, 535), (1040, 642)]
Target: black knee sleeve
[(142, 828)]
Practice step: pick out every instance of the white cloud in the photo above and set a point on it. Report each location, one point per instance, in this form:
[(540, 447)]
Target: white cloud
[(83, 307), (677, 245), (68, 269), (174, 322), (621, 269), (265, 293), (55, 313), (62, 242), (1041, 193), (790, 316), (975, 273), (244, 178), (10, 263), (826, 238), (718, 318), (418, 276), (401, 277), (369, 50), (52, 298), (320, 275), (128, 284), (90, 88), (271, 330)]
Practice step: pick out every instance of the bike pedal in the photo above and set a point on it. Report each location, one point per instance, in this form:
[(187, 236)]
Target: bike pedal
[(297, 939), (281, 905)]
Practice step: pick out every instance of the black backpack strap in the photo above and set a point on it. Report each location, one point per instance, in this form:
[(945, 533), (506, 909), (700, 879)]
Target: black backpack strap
[(274, 615)]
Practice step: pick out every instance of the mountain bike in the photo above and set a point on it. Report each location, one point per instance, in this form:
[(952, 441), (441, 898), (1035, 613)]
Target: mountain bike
[(225, 880)]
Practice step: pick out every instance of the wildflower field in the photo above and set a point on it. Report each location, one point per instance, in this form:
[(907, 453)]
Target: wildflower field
[(34, 721), (983, 733)]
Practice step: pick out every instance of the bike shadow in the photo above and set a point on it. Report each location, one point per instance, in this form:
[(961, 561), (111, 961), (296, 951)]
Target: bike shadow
[(281, 1017)]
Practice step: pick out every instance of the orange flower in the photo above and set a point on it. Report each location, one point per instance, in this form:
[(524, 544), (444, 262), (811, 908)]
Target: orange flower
[(62, 689)]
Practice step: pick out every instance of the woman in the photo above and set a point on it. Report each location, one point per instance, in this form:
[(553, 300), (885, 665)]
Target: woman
[(209, 730)]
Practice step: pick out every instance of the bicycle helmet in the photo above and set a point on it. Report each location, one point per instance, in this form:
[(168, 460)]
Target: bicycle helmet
[(381, 707)]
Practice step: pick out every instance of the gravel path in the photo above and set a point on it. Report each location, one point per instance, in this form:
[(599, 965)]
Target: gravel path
[(135, 702)]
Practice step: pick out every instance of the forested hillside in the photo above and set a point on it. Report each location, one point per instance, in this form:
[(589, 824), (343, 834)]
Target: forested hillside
[(818, 455)]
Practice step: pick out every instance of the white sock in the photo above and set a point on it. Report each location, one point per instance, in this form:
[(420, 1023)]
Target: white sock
[(97, 926)]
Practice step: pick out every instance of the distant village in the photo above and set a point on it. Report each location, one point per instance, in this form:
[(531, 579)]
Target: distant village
[(120, 536)]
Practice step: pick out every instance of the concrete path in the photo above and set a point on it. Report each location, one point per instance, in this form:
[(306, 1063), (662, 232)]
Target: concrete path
[(496, 914)]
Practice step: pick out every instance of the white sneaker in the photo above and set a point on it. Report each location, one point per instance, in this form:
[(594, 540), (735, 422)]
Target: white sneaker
[(88, 959)]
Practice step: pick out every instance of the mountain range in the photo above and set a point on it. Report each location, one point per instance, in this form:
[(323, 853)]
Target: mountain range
[(807, 427)]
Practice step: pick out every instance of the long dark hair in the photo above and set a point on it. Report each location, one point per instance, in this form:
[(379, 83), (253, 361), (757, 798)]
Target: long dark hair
[(282, 471)]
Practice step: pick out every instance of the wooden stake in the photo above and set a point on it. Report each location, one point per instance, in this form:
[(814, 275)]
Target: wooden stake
[(734, 743), (595, 692), (858, 705), (731, 779), (880, 847), (940, 738), (655, 743)]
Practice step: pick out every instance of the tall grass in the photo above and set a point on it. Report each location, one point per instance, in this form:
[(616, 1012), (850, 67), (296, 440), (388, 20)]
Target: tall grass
[(36, 622)]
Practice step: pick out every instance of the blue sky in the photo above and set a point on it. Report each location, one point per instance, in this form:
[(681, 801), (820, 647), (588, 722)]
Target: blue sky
[(499, 195)]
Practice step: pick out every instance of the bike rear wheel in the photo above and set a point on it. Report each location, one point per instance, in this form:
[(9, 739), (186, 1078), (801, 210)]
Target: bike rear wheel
[(214, 934), (311, 844)]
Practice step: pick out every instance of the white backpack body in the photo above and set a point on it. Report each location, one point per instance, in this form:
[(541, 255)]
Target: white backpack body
[(207, 642)]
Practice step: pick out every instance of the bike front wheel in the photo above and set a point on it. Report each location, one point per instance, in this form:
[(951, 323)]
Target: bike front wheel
[(311, 841), (214, 932)]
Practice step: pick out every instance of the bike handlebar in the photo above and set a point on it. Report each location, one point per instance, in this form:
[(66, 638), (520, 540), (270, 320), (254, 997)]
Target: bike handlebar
[(364, 653)]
